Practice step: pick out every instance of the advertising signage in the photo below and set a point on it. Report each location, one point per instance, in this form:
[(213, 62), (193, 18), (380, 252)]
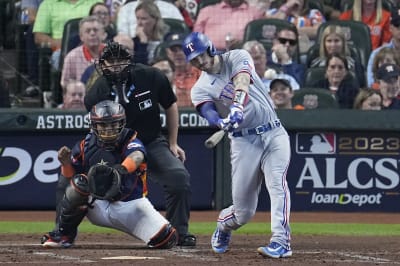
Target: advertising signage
[(345, 171), (335, 166)]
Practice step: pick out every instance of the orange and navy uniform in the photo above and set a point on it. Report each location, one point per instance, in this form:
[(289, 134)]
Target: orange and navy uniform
[(90, 151)]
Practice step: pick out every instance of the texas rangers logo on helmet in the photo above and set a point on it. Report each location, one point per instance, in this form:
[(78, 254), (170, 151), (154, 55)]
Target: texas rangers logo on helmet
[(316, 143), (190, 46)]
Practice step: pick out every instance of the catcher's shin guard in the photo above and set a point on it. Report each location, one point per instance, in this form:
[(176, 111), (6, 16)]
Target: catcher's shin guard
[(73, 206), (166, 238)]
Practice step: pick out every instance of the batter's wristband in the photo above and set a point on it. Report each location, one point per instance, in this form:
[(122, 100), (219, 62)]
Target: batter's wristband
[(240, 97), (67, 170), (129, 164)]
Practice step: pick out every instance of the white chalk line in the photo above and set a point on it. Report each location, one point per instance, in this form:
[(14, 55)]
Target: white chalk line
[(62, 257), (354, 257)]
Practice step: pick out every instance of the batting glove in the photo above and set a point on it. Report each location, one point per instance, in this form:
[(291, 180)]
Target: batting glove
[(236, 114), (224, 124)]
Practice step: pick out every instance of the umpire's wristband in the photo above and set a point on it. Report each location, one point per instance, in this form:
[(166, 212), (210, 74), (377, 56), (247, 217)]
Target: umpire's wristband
[(129, 164)]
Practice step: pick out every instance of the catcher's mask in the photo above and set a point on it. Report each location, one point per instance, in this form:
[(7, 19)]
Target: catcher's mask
[(107, 120), (113, 62)]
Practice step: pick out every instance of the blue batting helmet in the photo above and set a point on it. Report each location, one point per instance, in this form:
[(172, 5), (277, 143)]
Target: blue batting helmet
[(197, 43)]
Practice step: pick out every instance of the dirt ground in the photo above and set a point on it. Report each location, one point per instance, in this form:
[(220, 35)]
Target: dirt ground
[(120, 249)]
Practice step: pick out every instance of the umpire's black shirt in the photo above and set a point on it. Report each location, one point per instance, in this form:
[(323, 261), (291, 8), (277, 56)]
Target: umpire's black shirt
[(148, 88)]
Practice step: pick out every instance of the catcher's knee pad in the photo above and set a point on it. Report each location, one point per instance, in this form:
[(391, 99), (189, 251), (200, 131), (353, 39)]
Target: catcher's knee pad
[(167, 237), (78, 191)]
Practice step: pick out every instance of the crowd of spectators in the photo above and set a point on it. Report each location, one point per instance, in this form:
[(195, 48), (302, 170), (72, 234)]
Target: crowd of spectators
[(293, 57)]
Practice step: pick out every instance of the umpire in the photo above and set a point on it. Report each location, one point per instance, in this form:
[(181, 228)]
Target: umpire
[(142, 90)]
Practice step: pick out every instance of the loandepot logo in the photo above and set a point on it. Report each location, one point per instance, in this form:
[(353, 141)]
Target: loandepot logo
[(346, 198), (45, 162)]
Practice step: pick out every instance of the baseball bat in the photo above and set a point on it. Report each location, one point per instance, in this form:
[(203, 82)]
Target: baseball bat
[(215, 138)]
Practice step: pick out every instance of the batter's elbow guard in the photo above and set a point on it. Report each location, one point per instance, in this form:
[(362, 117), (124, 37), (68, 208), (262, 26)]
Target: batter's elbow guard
[(166, 238)]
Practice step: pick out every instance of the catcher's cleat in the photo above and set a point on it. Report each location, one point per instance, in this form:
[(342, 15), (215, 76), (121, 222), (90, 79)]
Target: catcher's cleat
[(44, 238), (275, 250), (188, 240), (220, 241), (56, 240)]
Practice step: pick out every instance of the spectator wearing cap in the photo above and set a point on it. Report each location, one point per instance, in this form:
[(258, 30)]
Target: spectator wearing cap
[(388, 80), (281, 94), (394, 43), (185, 75)]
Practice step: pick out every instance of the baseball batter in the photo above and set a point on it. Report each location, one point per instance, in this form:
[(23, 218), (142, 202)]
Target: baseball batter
[(230, 95), (107, 172)]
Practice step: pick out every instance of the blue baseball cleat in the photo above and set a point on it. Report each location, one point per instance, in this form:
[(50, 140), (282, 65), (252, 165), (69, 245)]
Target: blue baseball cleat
[(220, 241), (275, 250)]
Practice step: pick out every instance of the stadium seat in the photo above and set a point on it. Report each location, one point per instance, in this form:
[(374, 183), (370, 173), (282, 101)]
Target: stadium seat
[(159, 52), (70, 35), (314, 98), (71, 31), (313, 53), (316, 4), (176, 25), (357, 34), (263, 30), (312, 75)]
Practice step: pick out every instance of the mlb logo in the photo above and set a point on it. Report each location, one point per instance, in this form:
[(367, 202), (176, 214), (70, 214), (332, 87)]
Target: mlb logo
[(315, 143)]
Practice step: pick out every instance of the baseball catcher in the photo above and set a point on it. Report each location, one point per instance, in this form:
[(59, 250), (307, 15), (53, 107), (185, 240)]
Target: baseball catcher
[(107, 172)]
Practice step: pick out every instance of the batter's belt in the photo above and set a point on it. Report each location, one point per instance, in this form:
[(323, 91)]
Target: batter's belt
[(257, 130)]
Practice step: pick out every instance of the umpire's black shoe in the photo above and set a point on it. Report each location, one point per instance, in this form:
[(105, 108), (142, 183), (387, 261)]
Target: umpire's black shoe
[(187, 240)]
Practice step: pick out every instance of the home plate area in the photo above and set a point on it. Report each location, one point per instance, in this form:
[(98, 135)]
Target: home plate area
[(120, 249)]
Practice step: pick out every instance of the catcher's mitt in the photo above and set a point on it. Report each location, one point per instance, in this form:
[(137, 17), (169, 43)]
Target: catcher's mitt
[(105, 181)]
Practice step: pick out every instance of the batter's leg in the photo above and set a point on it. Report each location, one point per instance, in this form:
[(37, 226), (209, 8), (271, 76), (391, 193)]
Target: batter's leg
[(276, 162)]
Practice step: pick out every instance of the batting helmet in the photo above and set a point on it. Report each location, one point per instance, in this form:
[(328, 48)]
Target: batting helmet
[(197, 43), (107, 113)]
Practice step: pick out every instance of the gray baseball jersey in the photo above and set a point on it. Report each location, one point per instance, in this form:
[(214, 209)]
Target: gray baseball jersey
[(219, 88), (253, 156)]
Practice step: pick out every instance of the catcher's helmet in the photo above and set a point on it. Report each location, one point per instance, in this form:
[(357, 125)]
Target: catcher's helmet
[(113, 61), (107, 120), (197, 43)]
